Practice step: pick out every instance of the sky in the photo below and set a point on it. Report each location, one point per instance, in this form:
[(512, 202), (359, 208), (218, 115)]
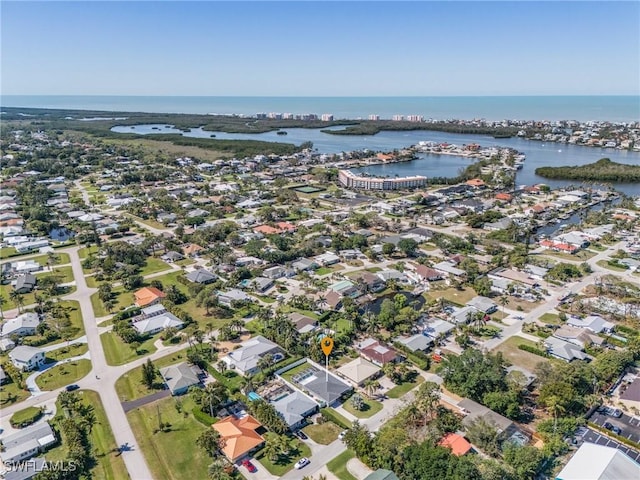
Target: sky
[(319, 48)]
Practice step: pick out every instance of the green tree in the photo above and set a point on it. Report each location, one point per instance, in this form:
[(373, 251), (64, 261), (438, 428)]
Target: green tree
[(209, 440)]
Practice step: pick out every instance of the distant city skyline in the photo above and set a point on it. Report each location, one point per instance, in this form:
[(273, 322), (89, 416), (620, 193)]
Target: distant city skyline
[(320, 48)]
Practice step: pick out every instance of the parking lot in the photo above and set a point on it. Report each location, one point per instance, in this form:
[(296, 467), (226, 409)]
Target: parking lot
[(592, 436), (630, 426)]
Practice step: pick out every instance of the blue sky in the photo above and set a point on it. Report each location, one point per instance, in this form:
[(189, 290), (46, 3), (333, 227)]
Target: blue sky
[(320, 48)]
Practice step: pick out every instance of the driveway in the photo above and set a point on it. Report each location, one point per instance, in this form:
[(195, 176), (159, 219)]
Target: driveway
[(139, 402)]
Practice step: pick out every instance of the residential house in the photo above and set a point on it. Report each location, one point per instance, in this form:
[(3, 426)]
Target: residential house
[(157, 323), (483, 304), (358, 371), (238, 436), (233, 295), (27, 442), (371, 282), (382, 474), (172, 257), (449, 270), (346, 288), (458, 445), (578, 336), (201, 276), (22, 325), (418, 342), (244, 360), (192, 250), (27, 358), (395, 275), (461, 316), (377, 352), (304, 264), (262, 284), (274, 272), (327, 258), (593, 323), (25, 283), (428, 274), (630, 394), (295, 408), (303, 323), (473, 410), (26, 266), (148, 296), (179, 378), (564, 350), (434, 328)]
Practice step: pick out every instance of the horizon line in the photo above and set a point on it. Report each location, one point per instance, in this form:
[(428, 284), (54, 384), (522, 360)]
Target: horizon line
[(320, 96)]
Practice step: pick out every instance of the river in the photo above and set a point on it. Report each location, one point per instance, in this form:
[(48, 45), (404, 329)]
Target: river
[(538, 153)]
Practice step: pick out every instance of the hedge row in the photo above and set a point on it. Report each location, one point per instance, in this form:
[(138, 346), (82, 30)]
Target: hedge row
[(534, 350), (419, 359), (627, 330), (204, 418), (332, 416), (615, 436)]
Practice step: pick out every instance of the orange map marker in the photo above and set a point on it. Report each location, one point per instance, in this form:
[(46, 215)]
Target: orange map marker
[(327, 345)]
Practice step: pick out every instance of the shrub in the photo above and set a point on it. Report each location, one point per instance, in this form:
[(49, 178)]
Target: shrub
[(330, 416), (204, 418), (534, 350)]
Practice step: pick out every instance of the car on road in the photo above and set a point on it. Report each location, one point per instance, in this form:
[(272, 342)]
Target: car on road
[(301, 435), (71, 388), (342, 434), (303, 462), (249, 466)]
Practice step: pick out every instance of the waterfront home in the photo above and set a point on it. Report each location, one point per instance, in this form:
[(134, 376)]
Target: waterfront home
[(377, 352)]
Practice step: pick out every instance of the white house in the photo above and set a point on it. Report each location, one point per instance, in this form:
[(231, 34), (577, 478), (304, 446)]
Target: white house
[(22, 325), (157, 323), (27, 442), (27, 358), (245, 359)]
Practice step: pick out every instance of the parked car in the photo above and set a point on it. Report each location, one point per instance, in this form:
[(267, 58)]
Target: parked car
[(301, 435), (613, 428), (71, 388), (250, 466), (342, 434), (614, 412), (303, 462)]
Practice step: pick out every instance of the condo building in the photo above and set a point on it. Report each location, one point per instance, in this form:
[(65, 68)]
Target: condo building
[(350, 180)]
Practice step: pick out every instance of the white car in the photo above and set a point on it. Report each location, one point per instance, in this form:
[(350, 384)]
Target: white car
[(303, 462), (342, 434)]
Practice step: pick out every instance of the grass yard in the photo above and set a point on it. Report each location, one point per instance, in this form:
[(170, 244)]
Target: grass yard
[(63, 374), (6, 252), (185, 262), (369, 409), (75, 317), (171, 455), (614, 268), (550, 318), (129, 386), (400, 390), (58, 259), (91, 281), (520, 358), (10, 394), (65, 274), (581, 256), (84, 252), (117, 352), (283, 464), (64, 352), (373, 269), (288, 375), (459, 297), (123, 299), (5, 292), (149, 222), (27, 416), (338, 466), (323, 271), (154, 265), (324, 433)]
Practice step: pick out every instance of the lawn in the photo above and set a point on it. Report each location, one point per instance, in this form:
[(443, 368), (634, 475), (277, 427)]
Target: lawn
[(582, 255), (65, 352), (5, 292), (58, 259), (123, 299), (284, 464), (323, 271), (65, 274), (459, 297), (63, 374), (29, 415), (338, 466), (129, 386), (373, 269), (550, 318), (154, 265), (171, 455), (370, 407), (117, 352), (91, 281), (288, 375), (185, 262), (399, 390), (10, 394), (520, 358), (6, 252), (324, 433), (605, 264), (75, 316), (84, 252)]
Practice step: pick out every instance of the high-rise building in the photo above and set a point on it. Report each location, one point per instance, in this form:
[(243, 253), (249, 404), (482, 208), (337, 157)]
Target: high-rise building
[(350, 180), (374, 117), (397, 118), (327, 117)]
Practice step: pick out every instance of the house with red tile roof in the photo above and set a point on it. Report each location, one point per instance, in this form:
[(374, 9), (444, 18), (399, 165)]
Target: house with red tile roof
[(458, 445), (238, 436), (148, 296)]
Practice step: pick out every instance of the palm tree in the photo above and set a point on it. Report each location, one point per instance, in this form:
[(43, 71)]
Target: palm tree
[(370, 387), (265, 362), (271, 448), (503, 303), (222, 366), (2, 302), (554, 408), (17, 299)]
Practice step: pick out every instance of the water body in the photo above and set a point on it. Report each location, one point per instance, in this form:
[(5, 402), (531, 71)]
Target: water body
[(538, 154), (582, 108)]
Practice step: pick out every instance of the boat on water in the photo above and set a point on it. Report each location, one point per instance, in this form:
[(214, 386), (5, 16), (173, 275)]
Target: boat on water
[(212, 135), (155, 128), (281, 132)]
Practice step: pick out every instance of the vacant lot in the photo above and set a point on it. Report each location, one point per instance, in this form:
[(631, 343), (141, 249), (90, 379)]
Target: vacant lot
[(63, 374), (324, 433), (117, 352), (518, 357)]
